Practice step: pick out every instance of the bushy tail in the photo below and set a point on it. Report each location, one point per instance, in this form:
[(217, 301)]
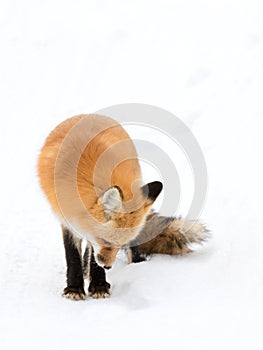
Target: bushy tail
[(163, 235)]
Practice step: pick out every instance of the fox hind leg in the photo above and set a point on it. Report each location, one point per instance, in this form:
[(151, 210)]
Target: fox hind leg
[(98, 287), (75, 280), (135, 255)]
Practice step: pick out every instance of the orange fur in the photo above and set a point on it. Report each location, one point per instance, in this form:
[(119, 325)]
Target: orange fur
[(82, 158)]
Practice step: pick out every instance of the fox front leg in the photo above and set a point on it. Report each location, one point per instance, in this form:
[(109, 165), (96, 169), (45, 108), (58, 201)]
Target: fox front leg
[(98, 287), (75, 280)]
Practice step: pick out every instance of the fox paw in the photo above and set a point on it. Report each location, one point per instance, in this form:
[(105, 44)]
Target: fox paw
[(135, 255), (138, 258), (99, 291), (74, 293)]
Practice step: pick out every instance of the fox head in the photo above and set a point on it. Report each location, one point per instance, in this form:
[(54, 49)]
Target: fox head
[(123, 219)]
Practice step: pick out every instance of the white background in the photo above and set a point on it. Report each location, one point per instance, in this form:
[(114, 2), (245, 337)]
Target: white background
[(202, 61)]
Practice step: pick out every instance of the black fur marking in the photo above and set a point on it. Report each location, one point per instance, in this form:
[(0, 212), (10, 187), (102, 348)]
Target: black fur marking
[(136, 254), (120, 191), (75, 281), (167, 220), (152, 190), (98, 287), (179, 243)]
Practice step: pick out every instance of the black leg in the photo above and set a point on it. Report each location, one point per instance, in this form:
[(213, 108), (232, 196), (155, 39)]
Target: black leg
[(135, 255), (98, 287), (75, 281)]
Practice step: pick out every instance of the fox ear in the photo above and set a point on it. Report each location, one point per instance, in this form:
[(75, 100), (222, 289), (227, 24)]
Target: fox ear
[(112, 199), (152, 190)]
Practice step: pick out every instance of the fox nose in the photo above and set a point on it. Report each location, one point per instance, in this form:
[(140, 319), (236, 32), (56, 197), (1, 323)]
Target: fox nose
[(107, 267)]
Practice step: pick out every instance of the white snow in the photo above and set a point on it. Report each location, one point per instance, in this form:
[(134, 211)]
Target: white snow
[(202, 61)]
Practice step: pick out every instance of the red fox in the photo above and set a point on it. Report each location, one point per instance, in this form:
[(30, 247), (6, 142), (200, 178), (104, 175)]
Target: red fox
[(90, 173)]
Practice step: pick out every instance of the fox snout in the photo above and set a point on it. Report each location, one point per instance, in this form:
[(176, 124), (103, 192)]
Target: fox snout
[(106, 256)]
